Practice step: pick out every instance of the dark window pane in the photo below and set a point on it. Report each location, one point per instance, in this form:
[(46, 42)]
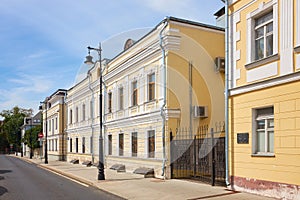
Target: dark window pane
[(121, 144)]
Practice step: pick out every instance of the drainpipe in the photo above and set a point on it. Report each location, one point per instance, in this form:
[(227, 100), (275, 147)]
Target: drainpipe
[(104, 108), (226, 93), (162, 109), (64, 128), (92, 110)]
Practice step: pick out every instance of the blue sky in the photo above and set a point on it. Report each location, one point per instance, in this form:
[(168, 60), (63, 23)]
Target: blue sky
[(43, 43)]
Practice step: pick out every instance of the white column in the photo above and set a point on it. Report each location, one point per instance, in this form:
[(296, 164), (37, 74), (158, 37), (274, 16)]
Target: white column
[(286, 36)]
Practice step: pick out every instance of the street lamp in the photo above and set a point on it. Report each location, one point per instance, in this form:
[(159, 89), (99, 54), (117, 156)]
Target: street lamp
[(46, 127), (89, 60)]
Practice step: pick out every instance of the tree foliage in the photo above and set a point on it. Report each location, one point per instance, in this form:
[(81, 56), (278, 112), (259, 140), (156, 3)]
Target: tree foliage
[(31, 137), (11, 125)]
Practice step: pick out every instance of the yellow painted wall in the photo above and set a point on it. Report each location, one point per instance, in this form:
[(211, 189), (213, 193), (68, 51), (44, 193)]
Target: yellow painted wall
[(198, 48), (285, 166)]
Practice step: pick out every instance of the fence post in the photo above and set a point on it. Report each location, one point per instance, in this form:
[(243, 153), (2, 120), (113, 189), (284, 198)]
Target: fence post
[(213, 170)]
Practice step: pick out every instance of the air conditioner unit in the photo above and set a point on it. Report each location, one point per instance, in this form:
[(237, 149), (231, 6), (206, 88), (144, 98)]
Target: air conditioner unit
[(220, 64), (200, 111)]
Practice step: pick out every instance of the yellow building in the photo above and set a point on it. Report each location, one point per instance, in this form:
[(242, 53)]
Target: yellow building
[(54, 125), (165, 82), (264, 97)]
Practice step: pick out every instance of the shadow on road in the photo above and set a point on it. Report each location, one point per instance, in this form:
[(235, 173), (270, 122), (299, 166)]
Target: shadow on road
[(5, 171), (3, 190)]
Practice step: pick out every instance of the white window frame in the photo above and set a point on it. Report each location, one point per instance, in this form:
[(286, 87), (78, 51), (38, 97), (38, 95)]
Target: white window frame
[(263, 9), (83, 112), (148, 87), (266, 118), (148, 144), (133, 91), (121, 98), (131, 143), (264, 36)]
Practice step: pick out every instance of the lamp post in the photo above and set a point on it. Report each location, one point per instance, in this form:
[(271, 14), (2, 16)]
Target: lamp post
[(46, 132), (89, 60)]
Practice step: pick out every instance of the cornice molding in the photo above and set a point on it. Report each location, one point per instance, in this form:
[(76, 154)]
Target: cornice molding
[(265, 84)]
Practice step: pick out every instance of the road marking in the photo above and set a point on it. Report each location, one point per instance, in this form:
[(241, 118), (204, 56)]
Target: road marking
[(83, 184)]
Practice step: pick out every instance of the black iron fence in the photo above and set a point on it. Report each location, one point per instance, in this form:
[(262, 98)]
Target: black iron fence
[(199, 154)]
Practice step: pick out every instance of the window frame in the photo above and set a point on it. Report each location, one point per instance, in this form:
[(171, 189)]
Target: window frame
[(76, 145), (134, 144), (56, 123), (109, 102), (83, 144), (151, 87), (263, 9), (109, 140), (121, 144), (83, 112), (264, 36), (151, 148), (267, 117), (134, 100), (121, 98), (71, 145), (76, 114), (71, 116)]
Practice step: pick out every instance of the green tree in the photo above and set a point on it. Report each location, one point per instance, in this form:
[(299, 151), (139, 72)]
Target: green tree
[(12, 123), (31, 137)]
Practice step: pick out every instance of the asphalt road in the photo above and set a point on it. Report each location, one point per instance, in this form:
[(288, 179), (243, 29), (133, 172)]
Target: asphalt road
[(20, 180)]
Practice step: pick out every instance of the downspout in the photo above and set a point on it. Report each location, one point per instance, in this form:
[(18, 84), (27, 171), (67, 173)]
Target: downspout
[(104, 108), (64, 128), (162, 109), (226, 93), (92, 116)]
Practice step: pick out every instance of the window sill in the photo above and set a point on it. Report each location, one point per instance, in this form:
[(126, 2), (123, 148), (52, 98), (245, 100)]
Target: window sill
[(297, 49), (151, 101), (262, 61), (272, 155), (133, 106)]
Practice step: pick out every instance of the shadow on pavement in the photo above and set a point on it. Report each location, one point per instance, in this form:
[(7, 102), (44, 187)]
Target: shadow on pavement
[(215, 195), (3, 190), (5, 171)]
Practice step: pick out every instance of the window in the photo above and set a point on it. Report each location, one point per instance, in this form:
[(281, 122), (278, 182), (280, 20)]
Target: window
[(52, 126), (151, 87), (109, 102), (151, 144), (121, 144), (91, 144), (76, 114), (134, 144), (134, 93), (263, 36), (71, 116), (121, 98), (49, 124), (109, 144), (83, 145), (264, 131), (71, 144), (56, 123), (76, 145), (91, 109), (83, 112), (56, 145)]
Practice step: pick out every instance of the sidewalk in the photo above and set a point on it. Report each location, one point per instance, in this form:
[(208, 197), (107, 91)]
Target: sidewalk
[(134, 186)]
